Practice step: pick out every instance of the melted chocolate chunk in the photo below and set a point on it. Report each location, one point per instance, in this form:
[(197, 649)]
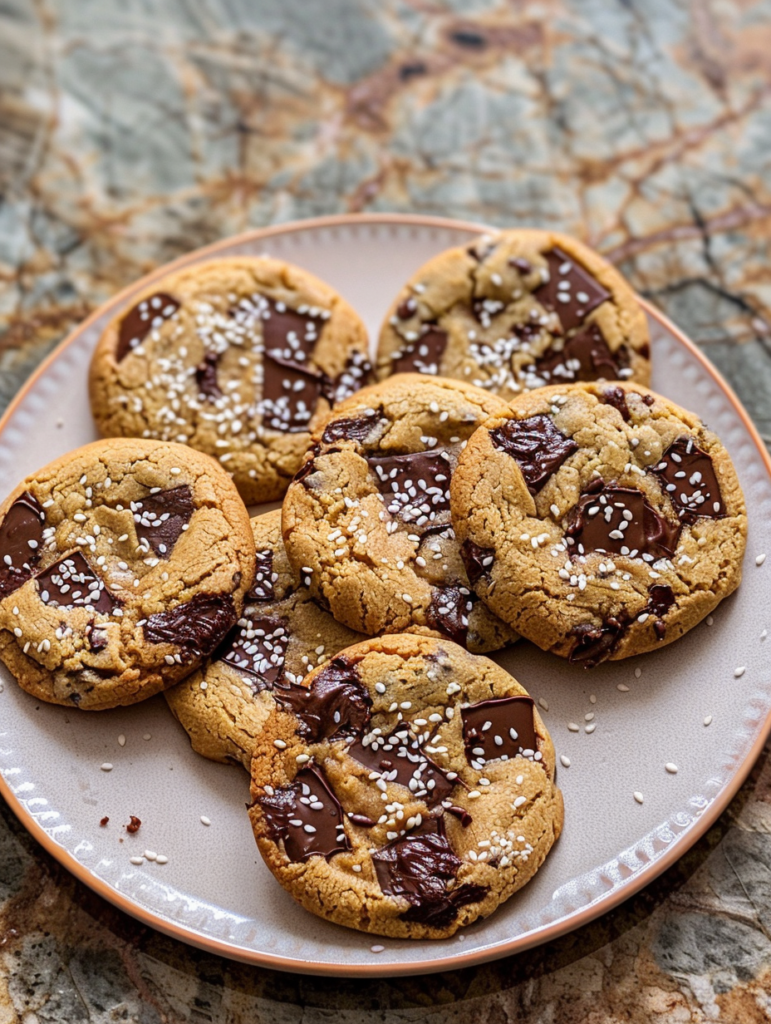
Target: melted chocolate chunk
[(616, 397), (197, 626), (416, 487), (399, 758), (424, 354), (96, 636), (584, 357), (71, 583), (461, 814), (477, 561), (139, 321), (206, 376), (21, 537), (309, 466), (660, 599), (160, 518), (352, 428), (362, 820), (419, 867), (688, 477), (449, 612), (406, 309), (262, 588), (306, 817), (500, 728), (621, 521), (356, 373), (335, 705), (571, 291), (257, 648), (521, 264), (537, 447), (289, 396), (596, 643)]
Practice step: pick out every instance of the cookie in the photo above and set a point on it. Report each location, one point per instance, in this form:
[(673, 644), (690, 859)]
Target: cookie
[(239, 358), (599, 520), (122, 566), (282, 634), (517, 310), (406, 788), (367, 520)]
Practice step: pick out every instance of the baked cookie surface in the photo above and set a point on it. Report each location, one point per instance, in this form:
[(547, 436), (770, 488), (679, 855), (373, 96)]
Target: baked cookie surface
[(239, 358), (367, 520), (599, 520), (122, 566), (282, 634), (406, 788), (516, 310)]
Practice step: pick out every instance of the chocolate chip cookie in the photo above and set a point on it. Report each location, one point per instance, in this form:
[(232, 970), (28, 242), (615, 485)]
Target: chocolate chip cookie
[(367, 519), (282, 634), (406, 788), (599, 520), (517, 310), (239, 358), (122, 566)]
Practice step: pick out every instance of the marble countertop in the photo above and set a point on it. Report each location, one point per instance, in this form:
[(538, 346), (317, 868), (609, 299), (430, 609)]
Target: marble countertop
[(132, 132)]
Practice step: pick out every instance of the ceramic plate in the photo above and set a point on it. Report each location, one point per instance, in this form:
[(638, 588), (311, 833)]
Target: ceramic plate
[(214, 890)]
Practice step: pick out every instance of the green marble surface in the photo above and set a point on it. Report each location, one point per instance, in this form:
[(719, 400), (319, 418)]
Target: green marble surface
[(134, 131)]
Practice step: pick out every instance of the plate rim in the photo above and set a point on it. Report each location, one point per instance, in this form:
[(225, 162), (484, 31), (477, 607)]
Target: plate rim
[(539, 936)]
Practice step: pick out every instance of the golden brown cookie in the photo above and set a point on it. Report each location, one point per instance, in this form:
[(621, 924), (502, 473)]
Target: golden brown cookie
[(282, 634), (367, 519), (517, 310), (406, 788), (122, 565), (603, 520), (240, 358)]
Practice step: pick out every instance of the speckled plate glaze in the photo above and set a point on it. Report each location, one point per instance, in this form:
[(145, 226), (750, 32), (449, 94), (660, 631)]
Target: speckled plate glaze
[(214, 891)]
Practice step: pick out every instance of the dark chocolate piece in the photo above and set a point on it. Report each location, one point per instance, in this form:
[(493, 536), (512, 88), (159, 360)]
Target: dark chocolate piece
[(406, 309), (257, 648), (477, 561), (289, 335), (139, 321), (616, 397), (309, 466), (419, 867), (306, 817), (160, 518), (71, 583), (571, 291), (262, 588), (660, 599), (362, 820), (621, 521), (399, 758), (352, 428), (584, 357), (596, 643), (416, 487), (449, 612), (197, 626), (521, 264), (499, 729), (206, 376), (424, 354), (335, 705), (688, 477), (96, 636), (21, 538), (289, 395), (461, 814), (537, 446)]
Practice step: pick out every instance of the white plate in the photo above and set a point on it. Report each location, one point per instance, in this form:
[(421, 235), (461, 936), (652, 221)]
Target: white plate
[(214, 891)]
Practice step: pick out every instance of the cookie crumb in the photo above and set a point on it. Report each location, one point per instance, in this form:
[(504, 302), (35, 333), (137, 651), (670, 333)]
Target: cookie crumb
[(134, 825), (103, 822)]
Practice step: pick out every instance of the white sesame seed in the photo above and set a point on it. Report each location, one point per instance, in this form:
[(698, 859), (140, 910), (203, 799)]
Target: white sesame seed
[(588, 716), (760, 559), (205, 820), (710, 620), (473, 794), (204, 685), (106, 767), (637, 673), (147, 736), (122, 740), (280, 744), (573, 726), (161, 859), (543, 703), (622, 687), (739, 672), (671, 768), (592, 698), (374, 949), (638, 797), (590, 727), (136, 860), (564, 760), (708, 720), (151, 855)]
